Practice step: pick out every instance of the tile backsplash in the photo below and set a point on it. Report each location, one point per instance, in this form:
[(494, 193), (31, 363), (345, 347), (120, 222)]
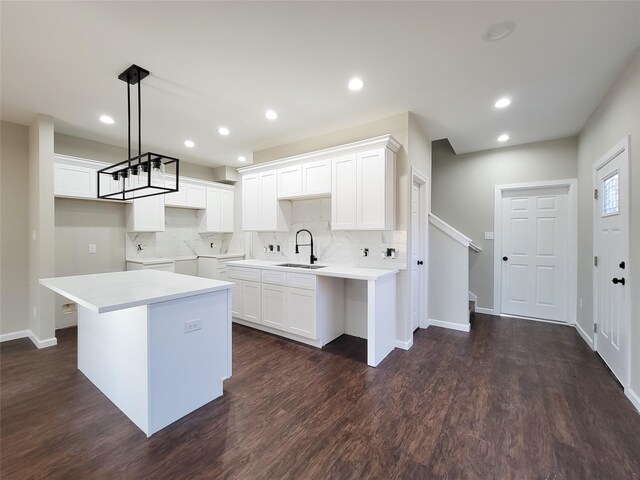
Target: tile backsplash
[(333, 247)]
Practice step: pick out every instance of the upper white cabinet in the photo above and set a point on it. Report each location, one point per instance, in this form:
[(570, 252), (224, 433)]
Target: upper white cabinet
[(359, 177), (74, 181), (261, 208), (177, 199), (189, 195), (219, 212), (146, 214)]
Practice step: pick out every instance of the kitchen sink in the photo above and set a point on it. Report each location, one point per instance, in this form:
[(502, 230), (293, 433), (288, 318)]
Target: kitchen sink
[(300, 265)]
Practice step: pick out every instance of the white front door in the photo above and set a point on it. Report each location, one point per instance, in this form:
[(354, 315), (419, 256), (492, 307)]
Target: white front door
[(611, 246), (535, 229), (416, 251)]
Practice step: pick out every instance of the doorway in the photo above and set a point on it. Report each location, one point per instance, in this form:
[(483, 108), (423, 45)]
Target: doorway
[(612, 294), (418, 261), (535, 251)]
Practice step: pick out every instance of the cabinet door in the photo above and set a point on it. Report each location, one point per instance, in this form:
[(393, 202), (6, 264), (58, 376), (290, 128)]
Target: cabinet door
[(290, 181), (207, 267), (237, 299), (227, 203), (196, 196), (274, 305), (316, 178), (301, 312), (343, 193), (252, 292), (213, 210), (75, 181), (371, 190), (268, 201), (146, 214), (177, 199), (251, 202)]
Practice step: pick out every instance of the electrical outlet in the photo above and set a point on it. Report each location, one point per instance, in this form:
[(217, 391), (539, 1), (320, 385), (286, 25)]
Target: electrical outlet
[(364, 252), (277, 248), (488, 235), (92, 248), (68, 308), (192, 325)]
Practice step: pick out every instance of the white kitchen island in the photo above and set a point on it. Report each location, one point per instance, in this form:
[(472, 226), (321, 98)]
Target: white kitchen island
[(157, 344)]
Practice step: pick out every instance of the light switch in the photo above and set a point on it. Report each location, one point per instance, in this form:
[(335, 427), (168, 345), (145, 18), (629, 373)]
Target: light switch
[(92, 248), (488, 235)]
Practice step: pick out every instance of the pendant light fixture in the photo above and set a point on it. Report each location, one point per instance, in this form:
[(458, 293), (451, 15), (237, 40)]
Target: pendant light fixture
[(146, 174)]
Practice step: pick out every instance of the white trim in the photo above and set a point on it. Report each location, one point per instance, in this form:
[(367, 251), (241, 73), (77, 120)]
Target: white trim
[(49, 342), (486, 311), (450, 325), (473, 297), (633, 397), (277, 332), (543, 320), (572, 252), (475, 247), (405, 345), (424, 191), (7, 337), (618, 148), (386, 141), (585, 336), (457, 235)]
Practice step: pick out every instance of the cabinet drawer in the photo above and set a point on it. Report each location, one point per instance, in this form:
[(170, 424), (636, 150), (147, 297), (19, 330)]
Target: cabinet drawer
[(276, 278), (241, 273), (301, 280)]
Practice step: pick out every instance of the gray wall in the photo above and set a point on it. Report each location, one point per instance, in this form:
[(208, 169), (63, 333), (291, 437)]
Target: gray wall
[(14, 231), (464, 187), (617, 115)]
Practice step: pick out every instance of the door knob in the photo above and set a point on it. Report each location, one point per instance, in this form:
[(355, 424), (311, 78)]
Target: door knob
[(622, 265), (618, 280), (504, 259), (420, 262)]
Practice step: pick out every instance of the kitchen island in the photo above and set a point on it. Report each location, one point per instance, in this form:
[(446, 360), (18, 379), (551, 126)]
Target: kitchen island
[(157, 344)]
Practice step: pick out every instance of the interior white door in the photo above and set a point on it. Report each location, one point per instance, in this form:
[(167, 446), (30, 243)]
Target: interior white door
[(535, 253), (416, 261), (612, 294)]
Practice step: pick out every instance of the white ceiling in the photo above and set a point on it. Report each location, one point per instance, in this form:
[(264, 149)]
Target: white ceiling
[(225, 63)]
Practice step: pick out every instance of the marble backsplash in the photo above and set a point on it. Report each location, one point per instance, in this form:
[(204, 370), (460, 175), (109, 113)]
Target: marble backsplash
[(332, 247), (181, 238)]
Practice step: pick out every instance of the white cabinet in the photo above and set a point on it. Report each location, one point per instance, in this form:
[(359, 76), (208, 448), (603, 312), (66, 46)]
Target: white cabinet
[(261, 209), (219, 212), (186, 267), (189, 195), (246, 295), (274, 305), (305, 180), (316, 178), (237, 300), (252, 293), (164, 267), (177, 199), (75, 181), (146, 214), (301, 312), (371, 204), (290, 181)]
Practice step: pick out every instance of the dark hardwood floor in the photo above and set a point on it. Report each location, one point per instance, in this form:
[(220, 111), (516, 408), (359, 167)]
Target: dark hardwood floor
[(512, 399)]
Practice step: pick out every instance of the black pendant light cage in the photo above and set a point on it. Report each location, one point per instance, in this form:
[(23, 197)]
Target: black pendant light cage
[(146, 174)]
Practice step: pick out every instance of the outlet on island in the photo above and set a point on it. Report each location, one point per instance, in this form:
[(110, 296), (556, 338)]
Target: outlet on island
[(192, 325)]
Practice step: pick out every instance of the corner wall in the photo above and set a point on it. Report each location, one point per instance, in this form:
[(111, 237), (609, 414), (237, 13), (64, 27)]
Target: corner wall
[(617, 116)]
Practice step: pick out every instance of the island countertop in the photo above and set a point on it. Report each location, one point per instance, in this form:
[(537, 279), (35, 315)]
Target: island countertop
[(107, 292)]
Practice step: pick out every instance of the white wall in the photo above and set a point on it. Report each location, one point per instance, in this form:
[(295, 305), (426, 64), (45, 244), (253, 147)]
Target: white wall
[(14, 231), (617, 115), (464, 185)]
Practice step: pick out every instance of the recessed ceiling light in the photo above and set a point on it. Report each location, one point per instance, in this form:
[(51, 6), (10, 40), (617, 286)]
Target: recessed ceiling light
[(271, 114), (503, 138), (502, 102), (242, 159), (223, 131), (189, 143), (107, 119), (356, 84), (498, 31)]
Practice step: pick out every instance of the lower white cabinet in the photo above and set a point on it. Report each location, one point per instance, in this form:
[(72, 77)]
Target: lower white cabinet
[(301, 312), (252, 296), (274, 306)]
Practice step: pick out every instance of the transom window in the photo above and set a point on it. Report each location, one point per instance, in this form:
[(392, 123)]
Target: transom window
[(610, 195)]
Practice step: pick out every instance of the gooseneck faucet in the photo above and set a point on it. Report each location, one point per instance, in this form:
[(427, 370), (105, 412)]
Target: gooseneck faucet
[(312, 258)]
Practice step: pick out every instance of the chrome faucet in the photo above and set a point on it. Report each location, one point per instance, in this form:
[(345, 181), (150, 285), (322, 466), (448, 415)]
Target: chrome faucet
[(312, 258)]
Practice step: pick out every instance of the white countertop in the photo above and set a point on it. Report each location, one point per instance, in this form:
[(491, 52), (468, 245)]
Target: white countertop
[(156, 260), (106, 292), (341, 271)]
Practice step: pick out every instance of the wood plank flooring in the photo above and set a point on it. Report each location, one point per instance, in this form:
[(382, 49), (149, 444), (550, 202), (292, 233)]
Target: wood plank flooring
[(513, 399)]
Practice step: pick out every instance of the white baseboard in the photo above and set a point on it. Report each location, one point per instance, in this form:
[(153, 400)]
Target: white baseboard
[(461, 327), (633, 396), (585, 336), (405, 345), (486, 311), (424, 323), (14, 335), (48, 342)]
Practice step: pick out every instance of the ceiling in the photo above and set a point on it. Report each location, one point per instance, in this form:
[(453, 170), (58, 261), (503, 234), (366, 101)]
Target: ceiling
[(225, 63)]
